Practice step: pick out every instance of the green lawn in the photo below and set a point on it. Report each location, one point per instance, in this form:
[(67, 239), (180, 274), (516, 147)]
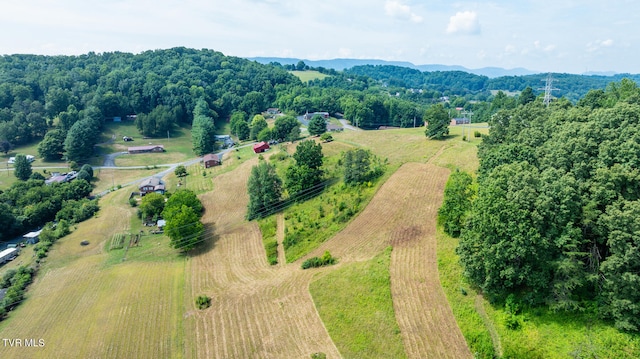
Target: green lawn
[(306, 76), (355, 305)]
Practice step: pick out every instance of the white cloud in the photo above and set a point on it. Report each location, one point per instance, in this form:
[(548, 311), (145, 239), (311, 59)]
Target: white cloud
[(465, 22), (598, 44), (398, 10)]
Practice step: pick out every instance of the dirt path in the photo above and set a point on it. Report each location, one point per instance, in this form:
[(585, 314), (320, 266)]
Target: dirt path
[(495, 338)]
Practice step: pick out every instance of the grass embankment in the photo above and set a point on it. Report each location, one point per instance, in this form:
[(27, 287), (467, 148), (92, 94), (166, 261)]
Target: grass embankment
[(268, 228), (478, 331), (355, 304)]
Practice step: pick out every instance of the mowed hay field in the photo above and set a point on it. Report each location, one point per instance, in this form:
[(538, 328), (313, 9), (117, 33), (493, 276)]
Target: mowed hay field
[(85, 305), (82, 308), (257, 311)]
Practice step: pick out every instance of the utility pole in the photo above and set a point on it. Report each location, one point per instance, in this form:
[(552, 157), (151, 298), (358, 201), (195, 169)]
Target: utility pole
[(466, 113)]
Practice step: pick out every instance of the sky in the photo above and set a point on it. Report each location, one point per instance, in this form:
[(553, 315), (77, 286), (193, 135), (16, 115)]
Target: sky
[(566, 36)]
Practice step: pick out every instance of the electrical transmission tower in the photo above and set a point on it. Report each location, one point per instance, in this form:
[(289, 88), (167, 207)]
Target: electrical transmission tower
[(548, 88)]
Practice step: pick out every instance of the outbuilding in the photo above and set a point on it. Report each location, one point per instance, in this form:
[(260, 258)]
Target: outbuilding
[(211, 160), (32, 237), (146, 149), (260, 147), (8, 254)]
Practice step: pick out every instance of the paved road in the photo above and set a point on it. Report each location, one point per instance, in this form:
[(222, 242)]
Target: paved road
[(347, 126)]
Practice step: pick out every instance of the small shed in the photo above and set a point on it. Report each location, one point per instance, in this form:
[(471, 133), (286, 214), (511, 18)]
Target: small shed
[(260, 147), (161, 223), (460, 121), (32, 237), (211, 160)]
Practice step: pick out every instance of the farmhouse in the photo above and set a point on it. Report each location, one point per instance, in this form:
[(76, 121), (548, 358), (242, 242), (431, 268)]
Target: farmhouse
[(334, 128), (8, 254), (226, 140), (211, 160), (273, 111), (32, 237), (146, 149), (460, 121), (309, 115), (260, 147), (150, 185)]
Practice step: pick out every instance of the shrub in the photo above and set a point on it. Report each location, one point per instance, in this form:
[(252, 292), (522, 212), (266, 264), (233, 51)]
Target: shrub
[(477, 134), (271, 248), (315, 262), (133, 202), (319, 355), (203, 302)]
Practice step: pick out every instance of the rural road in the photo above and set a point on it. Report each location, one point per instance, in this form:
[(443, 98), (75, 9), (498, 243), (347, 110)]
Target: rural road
[(347, 126)]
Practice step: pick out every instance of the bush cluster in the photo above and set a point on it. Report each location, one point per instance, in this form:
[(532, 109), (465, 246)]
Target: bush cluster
[(315, 262)]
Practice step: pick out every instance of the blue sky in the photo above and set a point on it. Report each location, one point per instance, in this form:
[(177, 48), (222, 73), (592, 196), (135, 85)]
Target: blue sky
[(541, 35)]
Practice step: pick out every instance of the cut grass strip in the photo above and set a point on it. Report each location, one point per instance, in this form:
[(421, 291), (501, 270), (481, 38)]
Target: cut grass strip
[(355, 305)]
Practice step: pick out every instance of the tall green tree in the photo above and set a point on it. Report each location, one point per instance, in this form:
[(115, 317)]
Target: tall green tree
[(5, 146), (284, 128), (360, 166), (306, 172), (22, 167), (81, 138), (437, 120), (183, 197), (526, 96), (152, 205), (265, 190), (203, 135), (456, 204), (184, 228), (317, 125), (621, 269), (257, 124), (51, 148)]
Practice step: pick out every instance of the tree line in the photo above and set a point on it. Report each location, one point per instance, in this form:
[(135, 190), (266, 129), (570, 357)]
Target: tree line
[(553, 218)]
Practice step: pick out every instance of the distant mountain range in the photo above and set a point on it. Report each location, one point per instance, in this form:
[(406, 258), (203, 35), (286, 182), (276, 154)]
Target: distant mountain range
[(341, 64)]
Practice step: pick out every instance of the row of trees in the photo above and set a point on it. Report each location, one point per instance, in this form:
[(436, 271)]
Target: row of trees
[(555, 218), (304, 178)]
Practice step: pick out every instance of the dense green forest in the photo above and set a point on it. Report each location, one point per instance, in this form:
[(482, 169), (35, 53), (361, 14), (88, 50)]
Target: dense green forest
[(449, 83), (556, 217)]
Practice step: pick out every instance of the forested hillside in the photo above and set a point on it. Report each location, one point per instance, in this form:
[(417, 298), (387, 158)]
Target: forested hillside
[(557, 213), (572, 87)]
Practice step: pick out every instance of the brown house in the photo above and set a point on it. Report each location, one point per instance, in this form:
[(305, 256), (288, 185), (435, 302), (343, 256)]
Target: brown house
[(150, 185), (146, 149), (260, 147), (211, 160)]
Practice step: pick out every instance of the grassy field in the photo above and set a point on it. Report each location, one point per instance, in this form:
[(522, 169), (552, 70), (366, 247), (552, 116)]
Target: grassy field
[(306, 76), (139, 301), (82, 307), (356, 305)]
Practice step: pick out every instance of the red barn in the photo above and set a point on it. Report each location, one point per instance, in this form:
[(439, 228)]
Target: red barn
[(260, 147), (211, 160)]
